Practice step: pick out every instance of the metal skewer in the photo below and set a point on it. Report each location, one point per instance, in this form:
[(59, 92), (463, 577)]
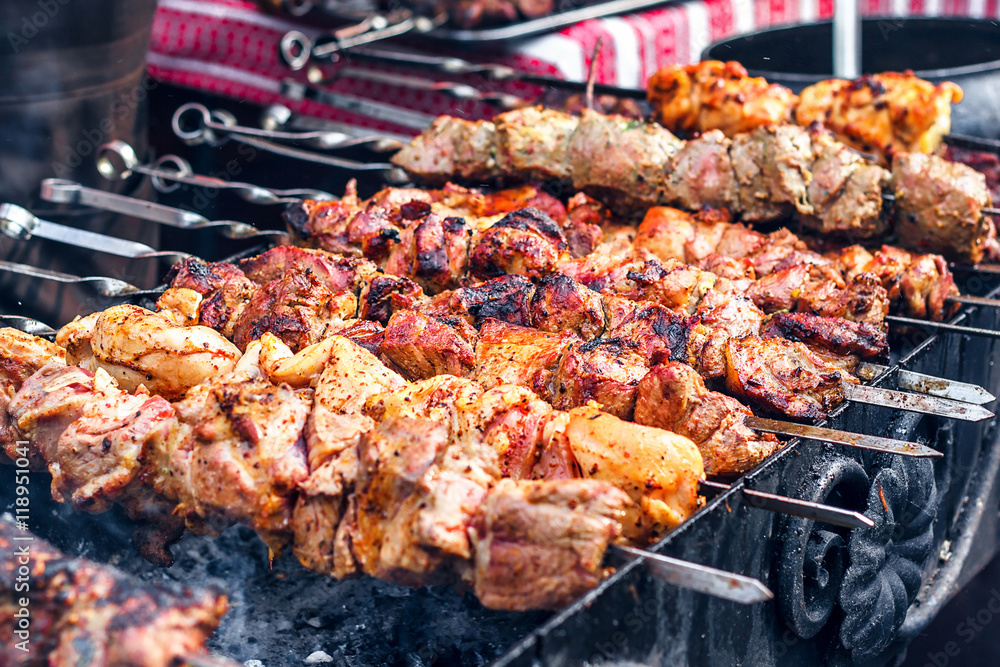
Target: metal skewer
[(701, 578), (100, 285), (847, 438), (771, 502), (943, 326), (929, 405), (929, 384)]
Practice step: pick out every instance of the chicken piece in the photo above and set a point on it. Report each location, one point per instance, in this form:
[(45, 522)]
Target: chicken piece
[(605, 371), (138, 347), (451, 148), (85, 613), (845, 191), (90, 434), (561, 304), (702, 174), (839, 336), (772, 172), (506, 299), (180, 304), (422, 347), (659, 470), (621, 161), (432, 252), (673, 396), (74, 339), (297, 307), (21, 355), (237, 455), (533, 144), (884, 114), (525, 242), (715, 95), (541, 545), (939, 206), (784, 377), (509, 354)]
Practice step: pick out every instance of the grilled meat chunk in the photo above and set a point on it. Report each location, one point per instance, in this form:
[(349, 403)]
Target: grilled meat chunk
[(540, 545), (201, 276), (510, 354), (702, 174), (140, 348), (384, 295), (562, 304), (621, 161), (533, 143), (939, 206), (451, 148), (673, 396), (525, 242), (604, 370), (506, 299), (433, 252), (715, 95), (422, 347), (845, 191), (783, 376), (336, 272), (837, 335), (772, 172), (885, 114), (21, 355), (85, 613)]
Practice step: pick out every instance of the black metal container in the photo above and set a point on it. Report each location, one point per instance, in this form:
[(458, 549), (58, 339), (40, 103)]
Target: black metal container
[(966, 51)]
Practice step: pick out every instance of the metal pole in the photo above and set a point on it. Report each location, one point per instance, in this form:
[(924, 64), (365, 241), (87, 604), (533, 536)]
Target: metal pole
[(846, 39)]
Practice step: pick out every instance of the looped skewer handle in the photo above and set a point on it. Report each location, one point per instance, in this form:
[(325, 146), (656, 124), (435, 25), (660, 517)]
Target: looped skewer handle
[(100, 285), (458, 91)]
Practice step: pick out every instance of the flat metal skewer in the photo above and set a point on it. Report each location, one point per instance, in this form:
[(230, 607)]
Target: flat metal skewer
[(846, 438), (929, 405), (27, 325), (771, 502), (700, 578), (929, 384), (19, 223), (102, 285)]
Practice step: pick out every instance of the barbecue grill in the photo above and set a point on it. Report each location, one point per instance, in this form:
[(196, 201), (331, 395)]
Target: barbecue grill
[(842, 596)]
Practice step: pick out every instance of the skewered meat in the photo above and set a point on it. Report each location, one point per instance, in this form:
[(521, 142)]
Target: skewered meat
[(886, 114), (422, 347), (715, 95), (84, 613), (631, 166), (842, 338), (534, 142), (21, 355), (452, 146), (939, 206), (673, 396)]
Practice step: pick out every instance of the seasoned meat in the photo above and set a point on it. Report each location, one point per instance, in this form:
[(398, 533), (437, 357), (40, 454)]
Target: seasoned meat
[(621, 161), (201, 276), (509, 354), (365, 333), (783, 376), (533, 143), (885, 114), (659, 470), (655, 332), (772, 172), (845, 191), (702, 174), (540, 545), (422, 347), (837, 335), (221, 309), (583, 226), (526, 242), (141, 348), (513, 422), (506, 299), (673, 396), (85, 613), (323, 223), (297, 307), (384, 295), (715, 95), (562, 304), (21, 355), (334, 271), (450, 148), (605, 371), (432, 252), (939, 206)]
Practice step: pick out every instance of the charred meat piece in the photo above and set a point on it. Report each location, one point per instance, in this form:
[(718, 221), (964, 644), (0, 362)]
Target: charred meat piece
[(533, 143), (451, 148), (540, 545), (562, 304), (939, 207), (509, 354), (716, 95), (506, 299), (621, 161), (85, 613), (433, 252), (772, 172), (837, 335), (201, 276), (783, 376), (604, 370), (384, 295), (364, 333), (334, 271), (422, 347), (525, 242), (658, 334), (845, 191), (673, 396)]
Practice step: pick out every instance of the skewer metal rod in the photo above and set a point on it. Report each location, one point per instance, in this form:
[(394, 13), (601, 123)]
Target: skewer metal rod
[(846, 438), (929, 384), (943, 326), (795, 507), (846, 39), (928, 405), (974, 300)]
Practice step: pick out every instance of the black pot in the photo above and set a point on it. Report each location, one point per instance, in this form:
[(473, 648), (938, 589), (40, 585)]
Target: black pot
[(966, 51)]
